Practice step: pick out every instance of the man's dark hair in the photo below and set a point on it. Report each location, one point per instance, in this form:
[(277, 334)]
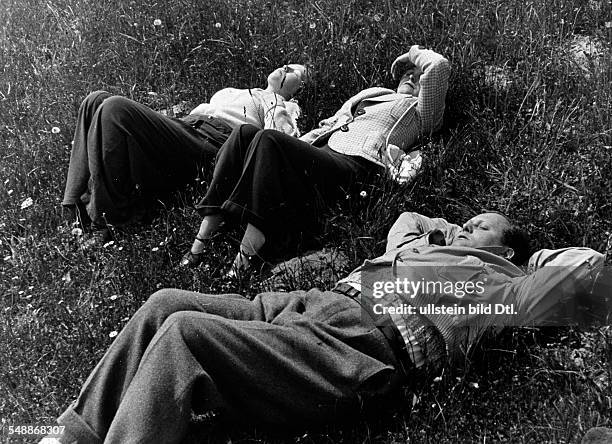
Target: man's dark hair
[(517, 239)]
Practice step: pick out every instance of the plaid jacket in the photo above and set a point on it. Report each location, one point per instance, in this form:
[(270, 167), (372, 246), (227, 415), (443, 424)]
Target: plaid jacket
[(377, 118)]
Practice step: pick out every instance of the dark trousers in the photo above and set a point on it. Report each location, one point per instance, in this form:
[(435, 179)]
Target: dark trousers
[(277, 182), (124, 153), (284, 358)]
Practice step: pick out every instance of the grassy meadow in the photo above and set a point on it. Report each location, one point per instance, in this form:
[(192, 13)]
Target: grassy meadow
[(527, 132)]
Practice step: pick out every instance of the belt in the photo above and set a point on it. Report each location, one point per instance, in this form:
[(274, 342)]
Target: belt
[(197, 120), (386, 326)]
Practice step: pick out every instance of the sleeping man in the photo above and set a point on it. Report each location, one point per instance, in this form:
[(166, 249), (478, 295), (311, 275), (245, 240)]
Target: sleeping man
[(308, 357)]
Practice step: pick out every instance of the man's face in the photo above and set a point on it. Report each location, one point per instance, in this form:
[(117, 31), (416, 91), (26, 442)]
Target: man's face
[(409, 83), (484, 230)]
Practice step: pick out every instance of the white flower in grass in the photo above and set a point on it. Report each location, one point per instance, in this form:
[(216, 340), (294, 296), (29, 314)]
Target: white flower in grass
[(27, 203), (312, 26), (474, 384), (157, 22), (112, 334), (113, 297), (363, 194), (217, 25), (55, 130), (608, 25), (155, 249)]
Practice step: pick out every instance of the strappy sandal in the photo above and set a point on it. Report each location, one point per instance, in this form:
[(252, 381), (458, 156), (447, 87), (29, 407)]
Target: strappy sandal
[(192, 260), (249, 263)]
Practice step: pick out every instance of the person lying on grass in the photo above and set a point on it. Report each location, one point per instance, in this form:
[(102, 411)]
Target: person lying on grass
[(309, 357), (124, 154), (277, 184)]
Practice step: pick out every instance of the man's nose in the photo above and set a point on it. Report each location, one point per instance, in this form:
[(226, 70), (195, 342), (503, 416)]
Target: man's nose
[(468, 227)]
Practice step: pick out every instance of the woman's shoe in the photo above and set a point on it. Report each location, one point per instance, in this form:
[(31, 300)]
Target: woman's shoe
[(244, 265), (192, 260)]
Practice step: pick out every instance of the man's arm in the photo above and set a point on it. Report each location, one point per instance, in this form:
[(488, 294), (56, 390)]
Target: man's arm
[(410, 226), (553, 292)]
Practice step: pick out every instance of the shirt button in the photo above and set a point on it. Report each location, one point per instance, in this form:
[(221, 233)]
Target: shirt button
[(415, 250), (360, 111), (344, 128)]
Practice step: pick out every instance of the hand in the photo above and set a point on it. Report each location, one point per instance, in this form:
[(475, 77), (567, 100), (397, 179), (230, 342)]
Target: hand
[(402, 60), (396, 65)]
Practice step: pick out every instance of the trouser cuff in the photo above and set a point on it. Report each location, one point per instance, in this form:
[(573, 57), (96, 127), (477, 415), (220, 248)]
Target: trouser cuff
[(77, 430)]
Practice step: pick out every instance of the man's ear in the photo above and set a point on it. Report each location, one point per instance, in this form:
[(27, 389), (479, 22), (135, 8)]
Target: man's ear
[(509, 253)]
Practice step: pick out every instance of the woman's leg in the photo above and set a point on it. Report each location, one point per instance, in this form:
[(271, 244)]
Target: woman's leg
[(277, 183), (228, 167), (285, 183), (251, 243), (229, 164), (77, 178), (133, 152), (209, 226)]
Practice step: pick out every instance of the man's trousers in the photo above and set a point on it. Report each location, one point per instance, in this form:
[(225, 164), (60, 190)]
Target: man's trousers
[(284, 359)]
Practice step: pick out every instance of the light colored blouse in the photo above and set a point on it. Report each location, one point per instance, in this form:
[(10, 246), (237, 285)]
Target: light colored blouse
[(256, 106)]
